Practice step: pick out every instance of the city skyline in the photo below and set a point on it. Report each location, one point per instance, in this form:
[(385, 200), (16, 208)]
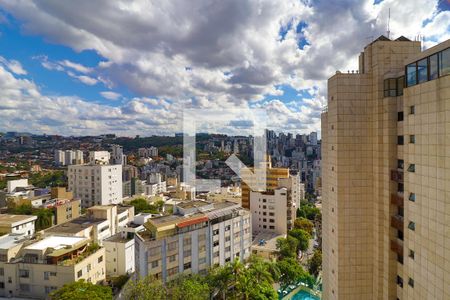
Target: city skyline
[(90, 77)]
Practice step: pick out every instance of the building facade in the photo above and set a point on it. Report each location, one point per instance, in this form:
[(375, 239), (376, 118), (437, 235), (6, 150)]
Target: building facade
[(386, 181), (96, 184), (35, 268), (196, 237)]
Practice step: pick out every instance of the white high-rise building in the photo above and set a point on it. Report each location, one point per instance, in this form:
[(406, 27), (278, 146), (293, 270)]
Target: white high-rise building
[(79, 158), (96, 184), (60, 158), (69, 157), (99, 157)]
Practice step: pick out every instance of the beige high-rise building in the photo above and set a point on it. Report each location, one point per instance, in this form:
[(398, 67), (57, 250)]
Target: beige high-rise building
[(386, 175)]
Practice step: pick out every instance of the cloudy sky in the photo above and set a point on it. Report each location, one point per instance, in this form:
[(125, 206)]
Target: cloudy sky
[(131, 67)]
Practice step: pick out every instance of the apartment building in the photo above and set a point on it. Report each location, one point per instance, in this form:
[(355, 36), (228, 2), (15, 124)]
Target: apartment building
[(96, 184), (120, 252), (99, 157), (35, 268), (18, 224), (117, 157), (272, 176), (196, 237), (386, 182), (68, 157)]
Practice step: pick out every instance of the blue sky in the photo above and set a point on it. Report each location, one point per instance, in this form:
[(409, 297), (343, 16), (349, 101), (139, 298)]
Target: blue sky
[(108, 66)]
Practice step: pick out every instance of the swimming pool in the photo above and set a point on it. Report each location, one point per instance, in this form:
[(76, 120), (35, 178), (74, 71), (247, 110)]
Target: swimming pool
[(304, 295)]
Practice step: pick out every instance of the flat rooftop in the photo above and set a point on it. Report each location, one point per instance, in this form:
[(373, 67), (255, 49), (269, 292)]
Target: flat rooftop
[(192, 204), (9, 240), (266, 241), (117, 238), (75, 225), (8, 220), (56, 242)]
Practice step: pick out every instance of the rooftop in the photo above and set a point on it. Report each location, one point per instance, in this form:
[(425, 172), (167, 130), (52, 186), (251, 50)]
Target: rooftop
[(75, 225), (57, 242), (8, 220), (118, 238), (192, 204), (9, 240), (266, 241)]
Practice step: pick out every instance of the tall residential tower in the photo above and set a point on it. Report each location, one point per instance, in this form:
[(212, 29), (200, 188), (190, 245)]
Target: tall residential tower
[(386, 175)]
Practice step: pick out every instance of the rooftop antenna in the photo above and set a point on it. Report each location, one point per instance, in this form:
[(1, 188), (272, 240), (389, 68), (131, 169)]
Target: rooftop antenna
[(389, 19)]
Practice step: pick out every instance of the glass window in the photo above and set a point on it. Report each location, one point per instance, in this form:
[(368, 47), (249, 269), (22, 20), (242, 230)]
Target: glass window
[(444, 62), (400, 116), (412, 168), (422, 70), (400, 164), (400, 140), (412, 197), (411, 73), (412, 110), (411, 254), (434, 66), (412, 225), (412, 139), (411, 282), (400, 85)]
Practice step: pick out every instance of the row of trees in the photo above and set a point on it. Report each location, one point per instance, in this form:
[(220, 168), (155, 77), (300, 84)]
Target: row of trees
[(234, 280)]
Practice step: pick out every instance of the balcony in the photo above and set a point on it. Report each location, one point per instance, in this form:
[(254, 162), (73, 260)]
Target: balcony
[(397, 199), (397, 247), (396, 176), (397, 222)]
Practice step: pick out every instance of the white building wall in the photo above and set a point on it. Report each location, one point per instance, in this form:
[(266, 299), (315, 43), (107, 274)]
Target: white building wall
[(96, 184)]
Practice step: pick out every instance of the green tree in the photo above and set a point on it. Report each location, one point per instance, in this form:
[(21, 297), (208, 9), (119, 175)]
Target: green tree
[(82, 290), (292, 272), (287, 247), (44, 218), (302, 237), (145, 288), (315, 263), (140, 205), (192, 287), (304, 224)]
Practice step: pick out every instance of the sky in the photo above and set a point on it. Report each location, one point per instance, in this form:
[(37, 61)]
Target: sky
[(132, 67)]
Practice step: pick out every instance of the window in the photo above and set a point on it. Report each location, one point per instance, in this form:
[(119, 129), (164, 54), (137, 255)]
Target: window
[(272, 227), (444, 62), (216, 232), (412, 110), (422, 70), (411, 254), (172, 258), (412, 197), (24, 287), (400, 235), (434, 66), (399, 281), (412, 139), (400, 140), (187, 253), (24, 273), (411, 282), (187, 266), (100, 259), (216, 243), (400, 164), (400, 258), (49, 289), (412, 168), (412, 225), (154, 264), (399, 116), (411, 74), (271, 214), (80, 273), (400, 187), (390, 87), (2, 285)]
